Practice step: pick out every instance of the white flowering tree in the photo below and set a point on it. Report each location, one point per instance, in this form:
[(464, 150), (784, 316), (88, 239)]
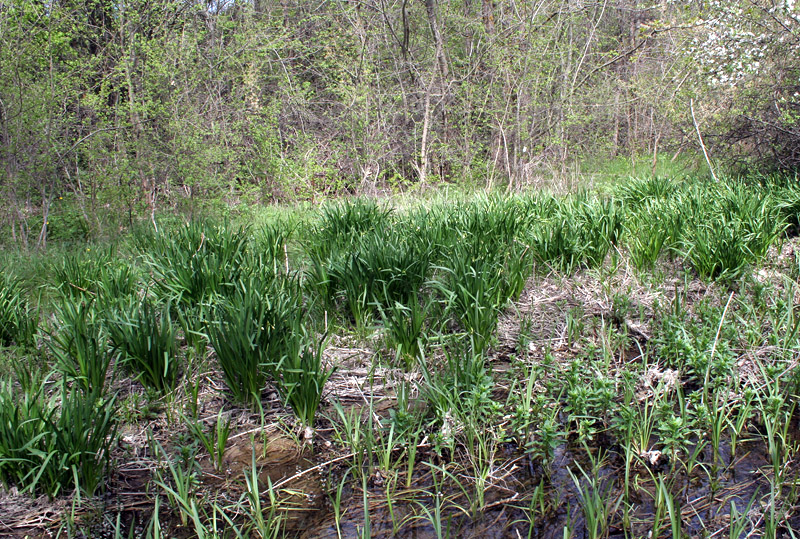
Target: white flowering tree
[(748, 52)]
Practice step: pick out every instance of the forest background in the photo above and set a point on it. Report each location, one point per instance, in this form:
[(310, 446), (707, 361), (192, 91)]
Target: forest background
[(113, 111)]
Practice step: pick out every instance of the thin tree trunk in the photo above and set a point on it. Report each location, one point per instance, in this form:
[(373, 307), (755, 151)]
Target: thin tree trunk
[(430, 8), (426, 120)]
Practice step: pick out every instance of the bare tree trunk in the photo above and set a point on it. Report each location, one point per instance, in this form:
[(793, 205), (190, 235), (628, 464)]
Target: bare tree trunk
[(615, 139), (488, 16), (147, 185), (41, 242), (426, 120), (430, 8)]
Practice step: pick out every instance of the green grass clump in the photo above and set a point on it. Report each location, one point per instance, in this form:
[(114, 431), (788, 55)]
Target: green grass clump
[(719, 228), (18, 321), (340, 224), (77, 275), (655, 227), (95, 275), (118, 281), (457, 391), (144, 337), (301, 376), (600, 224), (381, 267), (196, 262), (731, 230), (556, 244), (405, 328), (637, 191), (80, 346), (788, 204), (573, 232), (262, 333), (252, 332), (52, 445), (473, 289)]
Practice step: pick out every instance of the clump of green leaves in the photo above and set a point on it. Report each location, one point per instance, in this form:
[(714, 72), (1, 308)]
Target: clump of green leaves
[(458, 391), (405, 326), (195, 262), (654, 227), (80, 346), (473, 290), (301, 375), (77, 275), (144, 337), (600, 224), (250, 334), (18, 321), (343, 223), (733, 229), (262, 333), (638, 191), (51, 445)]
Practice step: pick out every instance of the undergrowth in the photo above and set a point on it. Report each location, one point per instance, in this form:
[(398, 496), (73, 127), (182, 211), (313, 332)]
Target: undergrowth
[(580, 363)]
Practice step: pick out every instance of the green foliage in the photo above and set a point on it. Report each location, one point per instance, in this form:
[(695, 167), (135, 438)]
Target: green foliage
[(95, 274), (144, 337), (693, 345), (556, 244), (118, 281), (574, 231), (719, 228), (215, 440), (600, 224), (252, 332), (379, 268), (405, 326), (260, 333), (78, 274), (18, 321), (639, 191), (343, 223), (196, 262), (788, 204), (80, 346), (270, 244), (474, 292), (301, 375), (457, 390), (698, 374), (51, 445), (655, 226), (736, 229), (361, 256)]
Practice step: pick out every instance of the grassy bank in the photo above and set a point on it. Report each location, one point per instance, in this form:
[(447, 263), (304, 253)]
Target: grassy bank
[(532, 365)]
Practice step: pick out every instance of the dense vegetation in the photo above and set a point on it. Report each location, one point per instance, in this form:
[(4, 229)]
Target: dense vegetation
[(111, 111), (181, 358), (533, 365)]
